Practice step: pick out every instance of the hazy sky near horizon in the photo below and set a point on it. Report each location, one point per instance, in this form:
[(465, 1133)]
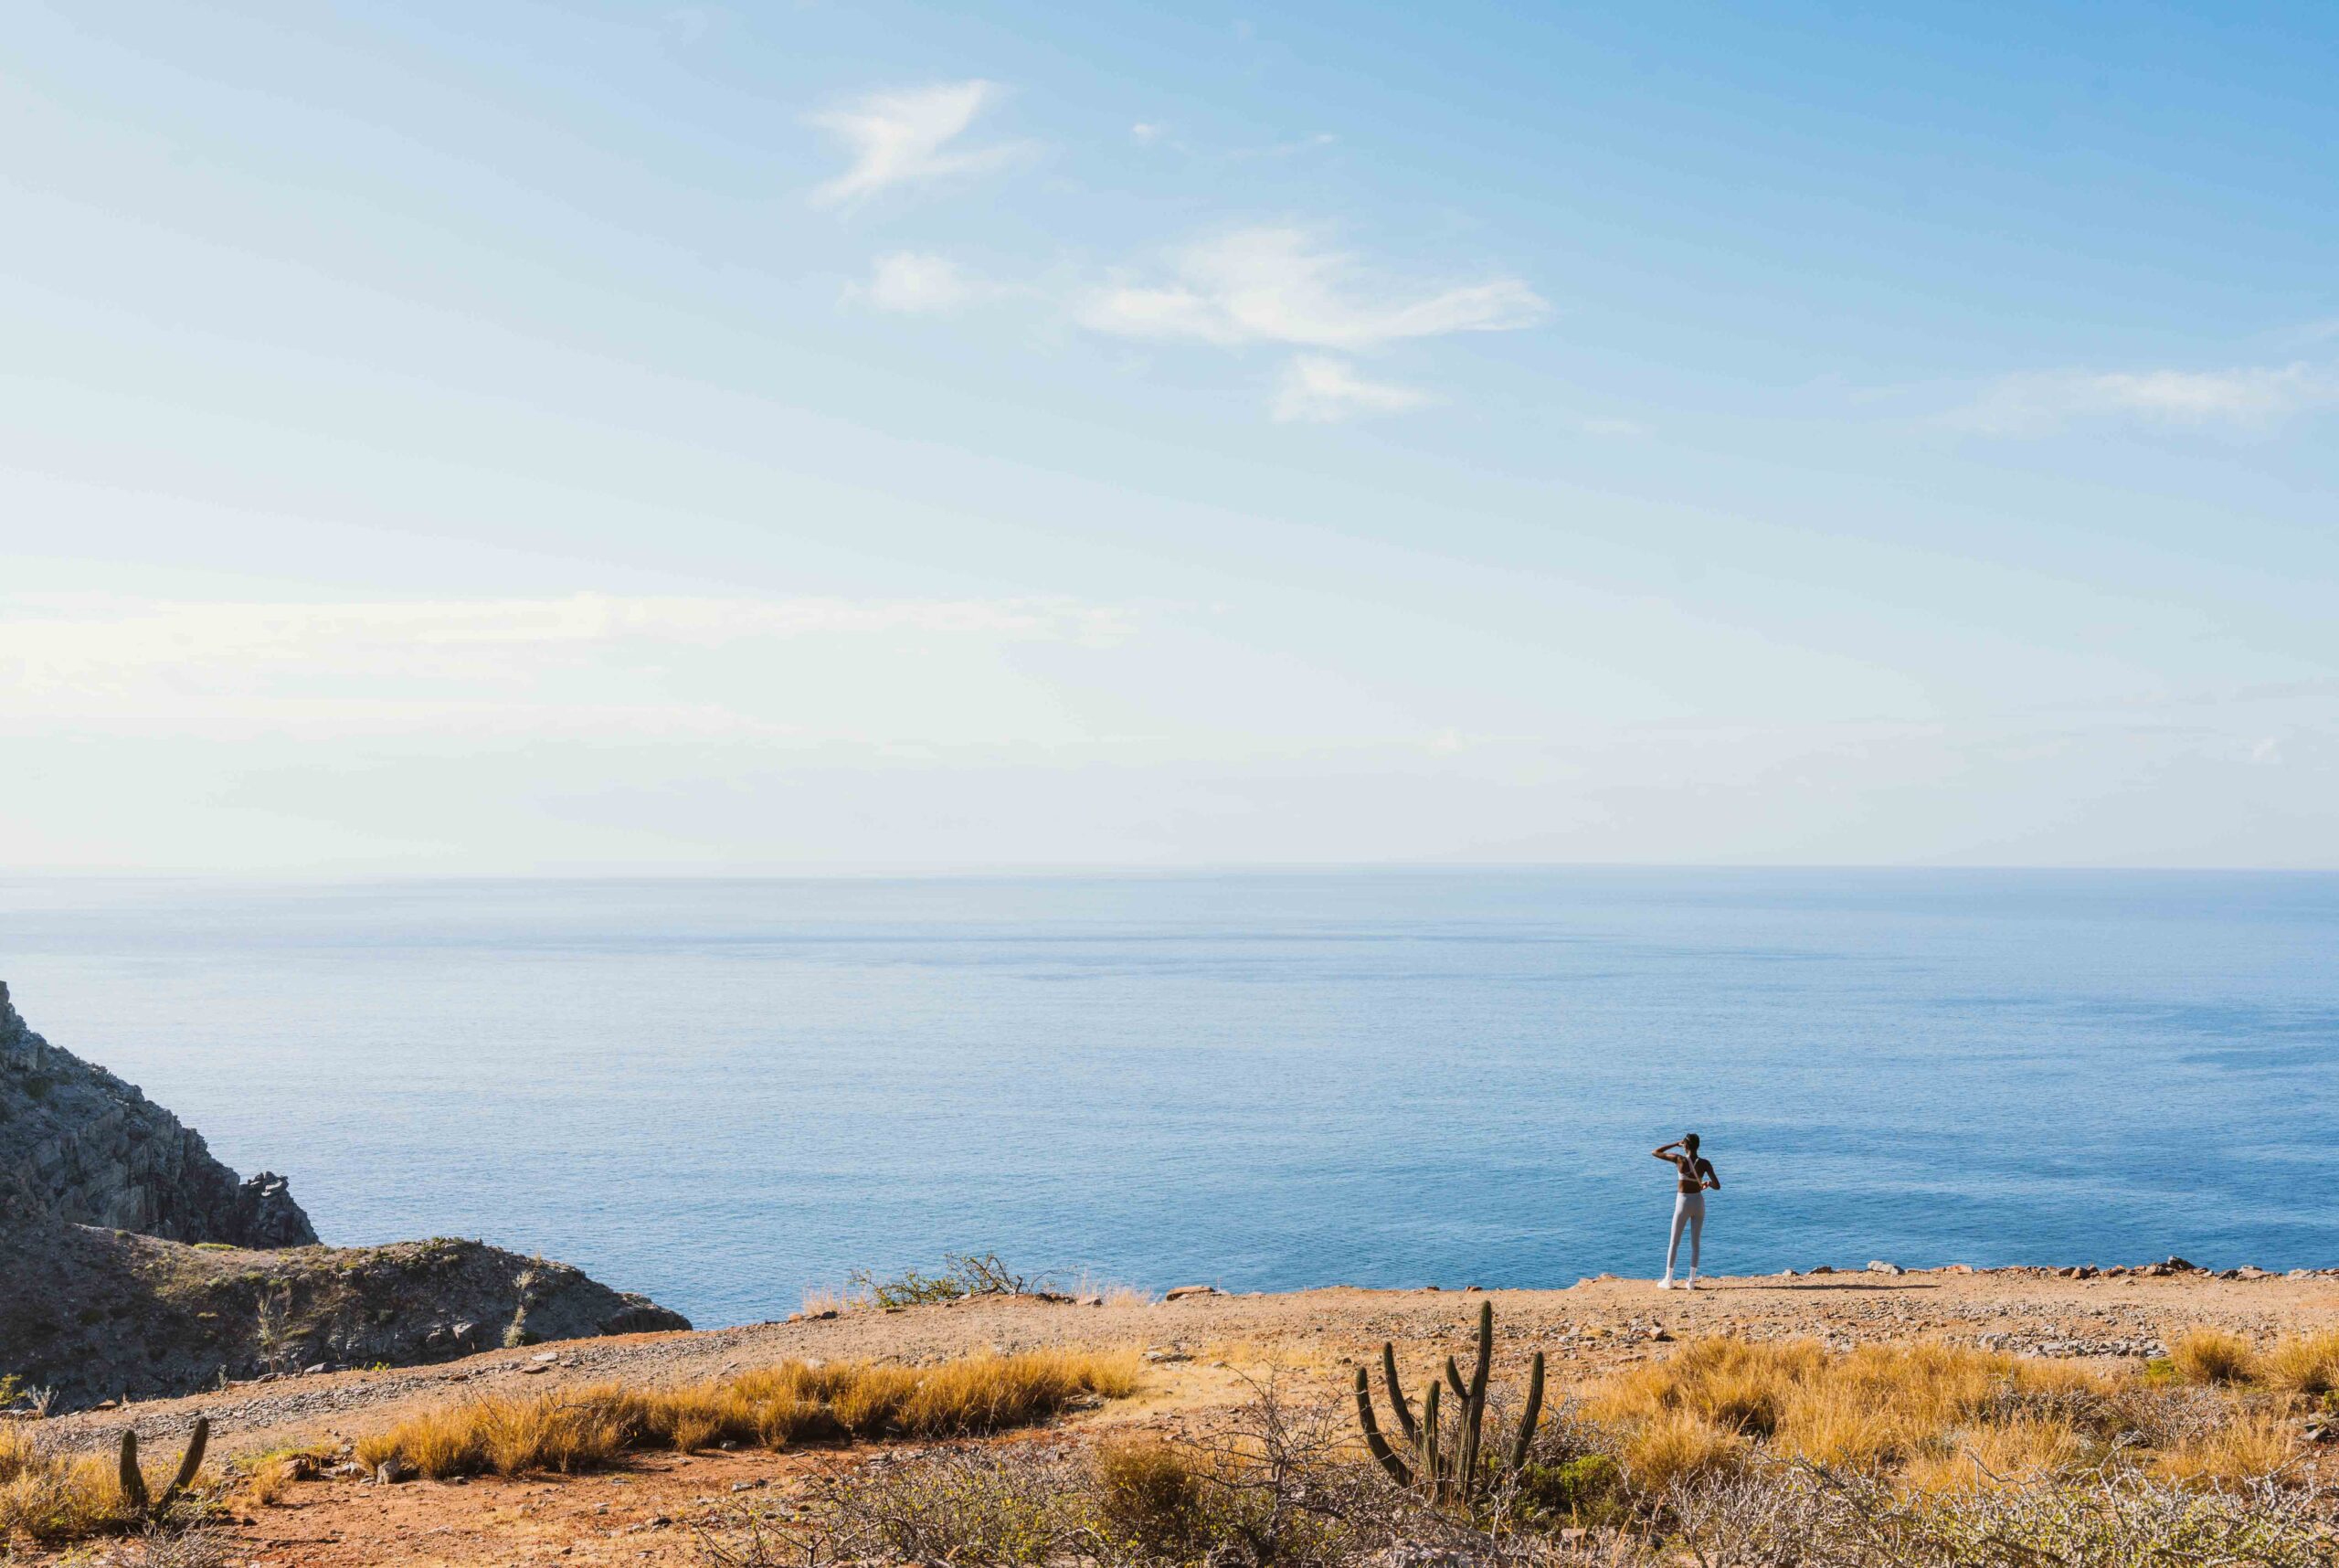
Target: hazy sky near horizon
[(444, 437)]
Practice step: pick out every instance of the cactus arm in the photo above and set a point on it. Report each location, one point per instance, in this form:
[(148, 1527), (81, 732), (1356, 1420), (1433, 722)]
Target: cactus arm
[(192, 1462), (133, 1479), (1473, 1406), (1486, 1350), (1454, 1380), (1372, 1438), (1397, 1395), (1532, 1413), (1429, 1456)]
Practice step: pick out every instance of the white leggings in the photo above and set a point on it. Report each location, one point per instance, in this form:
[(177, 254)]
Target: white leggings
[(1688, 1209)]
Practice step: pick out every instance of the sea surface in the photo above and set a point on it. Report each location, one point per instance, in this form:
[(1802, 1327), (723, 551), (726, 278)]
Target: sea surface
[(723, 1092)]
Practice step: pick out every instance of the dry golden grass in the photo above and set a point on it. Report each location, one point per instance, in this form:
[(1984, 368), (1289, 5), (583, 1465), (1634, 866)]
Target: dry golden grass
[(2024, 1451), (2305, 1365), (574, 1429), (1678, 1446), (1112, 1293), (1937, 1418), (52, 1498), (2213, 1356), (1870, 1408), (2254, 1444)]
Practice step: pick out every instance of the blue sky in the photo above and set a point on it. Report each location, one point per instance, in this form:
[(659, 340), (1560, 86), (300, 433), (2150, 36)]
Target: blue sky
[(460, 437)]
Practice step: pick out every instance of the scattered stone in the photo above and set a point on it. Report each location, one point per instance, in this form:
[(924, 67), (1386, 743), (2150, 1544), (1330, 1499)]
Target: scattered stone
[(1825, 1268), (391, 1471), (1959, 1268), (1185, 1292), (1877, 1265)]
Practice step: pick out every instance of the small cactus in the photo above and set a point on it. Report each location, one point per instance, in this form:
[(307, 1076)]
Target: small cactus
[(133, 1479), (1448, 1471)]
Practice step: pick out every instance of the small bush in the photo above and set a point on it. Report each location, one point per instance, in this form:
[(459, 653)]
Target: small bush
[(1150, 1498), (2212, 1356), (1586, 1491), (964, 1274)]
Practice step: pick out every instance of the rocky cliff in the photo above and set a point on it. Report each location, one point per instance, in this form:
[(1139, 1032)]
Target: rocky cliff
[(97, 1314), (133, 1263), (80, 1144)]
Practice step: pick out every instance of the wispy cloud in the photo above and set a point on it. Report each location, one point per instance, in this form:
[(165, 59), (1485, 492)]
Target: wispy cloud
[(1278, 285), (1318, 389), (2036, 402), (1283, 149), (97, 643), (915, 284), (905, 138), (1145, 133)]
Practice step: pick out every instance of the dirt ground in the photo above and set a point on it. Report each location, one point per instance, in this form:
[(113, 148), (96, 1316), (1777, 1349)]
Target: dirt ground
[(1198, 1353)]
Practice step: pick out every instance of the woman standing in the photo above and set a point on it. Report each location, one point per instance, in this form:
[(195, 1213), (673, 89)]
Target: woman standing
[(1693, 1175)]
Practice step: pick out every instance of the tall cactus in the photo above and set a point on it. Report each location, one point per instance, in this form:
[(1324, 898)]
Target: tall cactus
[(133, 1479), (1447, 1470)]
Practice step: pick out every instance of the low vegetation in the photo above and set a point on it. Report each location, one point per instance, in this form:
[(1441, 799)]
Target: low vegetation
[(1729, 1452), (964, 1277), (775, 1407), (1283, 1484), (49, 1496)]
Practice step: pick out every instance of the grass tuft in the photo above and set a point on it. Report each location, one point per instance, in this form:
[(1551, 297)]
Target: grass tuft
[(566, 1430), (2213, 1356), (2306, 1364)]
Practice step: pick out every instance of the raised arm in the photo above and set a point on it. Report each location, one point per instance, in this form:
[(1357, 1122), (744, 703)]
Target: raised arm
[(1665, 1152)]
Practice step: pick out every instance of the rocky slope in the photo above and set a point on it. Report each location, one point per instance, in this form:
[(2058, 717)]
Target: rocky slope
[(134, 1263), (80, 1144), (96, 1314)]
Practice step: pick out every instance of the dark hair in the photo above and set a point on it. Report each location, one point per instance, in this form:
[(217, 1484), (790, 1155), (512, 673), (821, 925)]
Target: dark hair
[(1690, 1141)]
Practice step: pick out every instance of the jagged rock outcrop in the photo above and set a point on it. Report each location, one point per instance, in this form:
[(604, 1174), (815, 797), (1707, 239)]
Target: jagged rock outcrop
[(133, 1263), (84, 1145), (104, 1314)]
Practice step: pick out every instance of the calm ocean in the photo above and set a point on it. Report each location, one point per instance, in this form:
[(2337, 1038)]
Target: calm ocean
[(722, 1092)]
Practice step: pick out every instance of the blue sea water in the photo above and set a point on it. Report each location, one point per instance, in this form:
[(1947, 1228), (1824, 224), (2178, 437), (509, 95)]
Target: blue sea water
[(723, 1092)]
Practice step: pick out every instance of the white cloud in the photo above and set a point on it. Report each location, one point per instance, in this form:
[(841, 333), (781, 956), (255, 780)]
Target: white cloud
[(1318, 389), (1285, 149), (2266, 752), (2041, 402), (1276, 285), (1145, 135), (916, 285), (903, 138)]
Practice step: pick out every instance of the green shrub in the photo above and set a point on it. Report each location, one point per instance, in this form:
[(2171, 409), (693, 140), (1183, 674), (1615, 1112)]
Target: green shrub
[(1586, 1490), (1150, 1498)]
